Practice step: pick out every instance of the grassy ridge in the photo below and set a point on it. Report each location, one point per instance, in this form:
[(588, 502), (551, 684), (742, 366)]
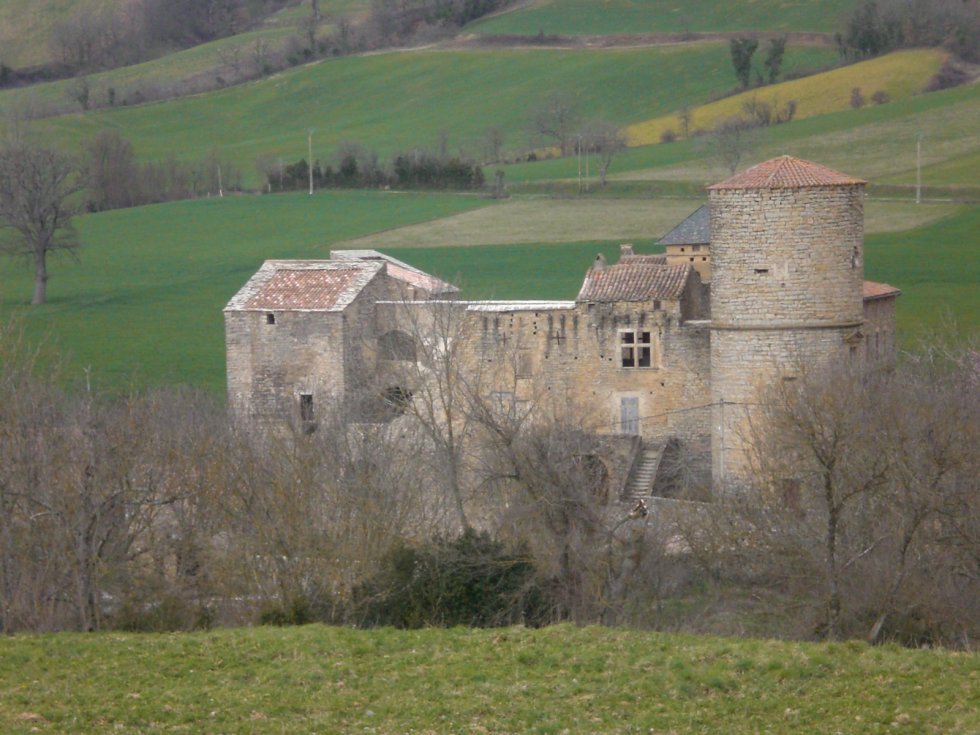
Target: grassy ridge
[(575, 17), (512, 680), (396, 101), (143, 303)]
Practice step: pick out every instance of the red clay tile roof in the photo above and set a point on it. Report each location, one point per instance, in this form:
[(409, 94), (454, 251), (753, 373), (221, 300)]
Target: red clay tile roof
[(398, 270), (645, 258), (786, 172), (305, 289), (634, 281), (874, 290)]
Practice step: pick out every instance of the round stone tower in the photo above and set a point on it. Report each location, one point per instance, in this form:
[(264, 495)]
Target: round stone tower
[(787, 241)]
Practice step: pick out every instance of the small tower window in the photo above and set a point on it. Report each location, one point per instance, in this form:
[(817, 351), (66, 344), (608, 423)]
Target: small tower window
[(761, 271), (270, 318), (306, 406)]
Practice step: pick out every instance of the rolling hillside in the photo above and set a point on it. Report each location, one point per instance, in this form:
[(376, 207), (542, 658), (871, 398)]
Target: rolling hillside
[(402, 100), (574, 17)]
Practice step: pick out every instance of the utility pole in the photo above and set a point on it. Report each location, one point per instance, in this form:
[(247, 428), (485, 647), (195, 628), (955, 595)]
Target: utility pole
[(309, 166), (579, 152), (918, 168)]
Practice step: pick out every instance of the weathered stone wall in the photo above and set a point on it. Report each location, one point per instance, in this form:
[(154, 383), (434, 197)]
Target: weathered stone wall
[(743, 364), (787, 255), (270, 365), (879, 330), (787, 274), (573, 356)]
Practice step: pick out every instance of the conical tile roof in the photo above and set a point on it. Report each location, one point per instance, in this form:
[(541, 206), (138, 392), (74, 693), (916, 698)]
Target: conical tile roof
[(786, 172)]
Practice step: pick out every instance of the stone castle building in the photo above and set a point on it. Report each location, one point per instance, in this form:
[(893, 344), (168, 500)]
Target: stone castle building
[(666, 352)]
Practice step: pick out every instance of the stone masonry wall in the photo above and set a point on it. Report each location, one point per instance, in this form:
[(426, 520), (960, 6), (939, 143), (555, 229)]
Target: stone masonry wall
[(787, 255), (574, 356), (787, 274), (269, 365)]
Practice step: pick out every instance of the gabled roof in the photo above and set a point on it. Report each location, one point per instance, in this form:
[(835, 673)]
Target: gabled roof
[(872, 290), (304, 285), (398, 270), (695, 230), (636, 281), (786, 172)]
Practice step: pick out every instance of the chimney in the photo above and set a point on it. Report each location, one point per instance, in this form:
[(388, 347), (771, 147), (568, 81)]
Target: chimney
[(599, 264), (626, 249)]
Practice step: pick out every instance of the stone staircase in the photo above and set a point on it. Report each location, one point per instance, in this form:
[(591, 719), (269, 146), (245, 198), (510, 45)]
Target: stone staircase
[(640, 482)]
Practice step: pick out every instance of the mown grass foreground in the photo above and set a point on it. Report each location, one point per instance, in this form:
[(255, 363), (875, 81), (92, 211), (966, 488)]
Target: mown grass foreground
[(552, 680)]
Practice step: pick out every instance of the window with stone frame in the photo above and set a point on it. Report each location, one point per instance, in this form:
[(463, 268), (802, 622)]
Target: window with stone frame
[(635, 349)]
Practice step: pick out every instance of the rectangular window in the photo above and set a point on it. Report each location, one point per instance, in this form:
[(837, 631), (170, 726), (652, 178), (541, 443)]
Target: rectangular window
[(306, 406), (270, 318), (635, 349)]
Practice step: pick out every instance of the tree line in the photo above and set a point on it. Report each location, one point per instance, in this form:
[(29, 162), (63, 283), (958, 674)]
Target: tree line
[(360, 168)]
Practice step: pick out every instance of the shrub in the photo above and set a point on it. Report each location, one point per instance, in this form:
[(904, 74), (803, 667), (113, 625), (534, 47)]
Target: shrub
[(668, 136), (948, 76), (880, 97), (857, 99), (470, 580)]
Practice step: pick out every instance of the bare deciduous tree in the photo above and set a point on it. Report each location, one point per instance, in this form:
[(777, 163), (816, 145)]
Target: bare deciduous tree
[(555, 119), (37, 203), (605, 140)]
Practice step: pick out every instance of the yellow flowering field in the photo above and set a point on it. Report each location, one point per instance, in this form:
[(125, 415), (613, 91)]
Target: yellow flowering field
[(899, 75)]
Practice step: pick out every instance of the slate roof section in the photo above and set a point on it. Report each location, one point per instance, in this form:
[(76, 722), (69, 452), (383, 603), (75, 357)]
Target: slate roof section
[(786, 172), (304, 285), (398, 270), (695, 230), (872, 290), (635, 282)]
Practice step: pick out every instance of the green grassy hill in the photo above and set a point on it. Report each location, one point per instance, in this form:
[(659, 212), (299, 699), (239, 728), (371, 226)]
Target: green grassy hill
[(401, 100), (510, 680), (575, 17), (142, 304)]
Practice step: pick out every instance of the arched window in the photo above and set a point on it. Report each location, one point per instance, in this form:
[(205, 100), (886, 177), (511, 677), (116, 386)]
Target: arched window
[(395, 345)]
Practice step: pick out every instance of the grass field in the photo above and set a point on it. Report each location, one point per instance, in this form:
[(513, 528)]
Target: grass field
[(574, 17), (512, 680), (401, 100), (142, 305)]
